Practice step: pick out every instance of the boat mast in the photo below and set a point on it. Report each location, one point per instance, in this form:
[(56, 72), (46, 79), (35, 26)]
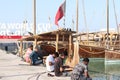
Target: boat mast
[(85, 21), (34, 22), (116, 21), (77, 4), (107, 24), (76, 57), (116, 16)]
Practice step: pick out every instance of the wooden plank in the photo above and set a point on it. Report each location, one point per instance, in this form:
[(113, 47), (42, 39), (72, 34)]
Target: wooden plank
[(70, 47), (21, 49), (57, 39)]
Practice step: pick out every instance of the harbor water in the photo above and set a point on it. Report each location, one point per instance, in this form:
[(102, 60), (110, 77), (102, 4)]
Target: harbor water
[(103, 69)]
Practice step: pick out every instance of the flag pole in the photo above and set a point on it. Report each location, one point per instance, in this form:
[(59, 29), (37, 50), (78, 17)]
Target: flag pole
[(64, 21), (64, 14), (34, 22)]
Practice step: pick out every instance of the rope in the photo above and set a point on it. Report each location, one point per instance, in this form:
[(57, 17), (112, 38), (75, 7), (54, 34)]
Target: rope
[(92, 52)]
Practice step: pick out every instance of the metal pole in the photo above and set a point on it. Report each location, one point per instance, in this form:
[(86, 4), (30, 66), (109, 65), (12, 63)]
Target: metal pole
[(64, 22), (64, 15), (34, 16), (107, 24), (77, 3), (34, 22)]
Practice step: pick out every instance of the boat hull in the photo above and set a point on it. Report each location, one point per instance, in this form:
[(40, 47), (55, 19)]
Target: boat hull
[(91, 52)]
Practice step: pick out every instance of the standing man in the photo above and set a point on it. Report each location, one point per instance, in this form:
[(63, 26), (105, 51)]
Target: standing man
[(80, 71)]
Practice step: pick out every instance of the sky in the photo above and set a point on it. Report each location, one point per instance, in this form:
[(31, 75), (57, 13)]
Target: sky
[(17, 11)]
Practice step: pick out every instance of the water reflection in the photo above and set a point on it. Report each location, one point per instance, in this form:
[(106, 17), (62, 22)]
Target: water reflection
[(102, 69), (113, 67)]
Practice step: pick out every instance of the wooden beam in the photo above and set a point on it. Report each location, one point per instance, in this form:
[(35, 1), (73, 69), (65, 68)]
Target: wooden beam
[(57, 40), (111, 39), (76, 57), (63, 38), (21, 49), (35, 42), (70, 46)]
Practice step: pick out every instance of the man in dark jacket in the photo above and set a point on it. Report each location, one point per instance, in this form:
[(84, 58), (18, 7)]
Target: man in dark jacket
[(80, 71), (35, 58), (59, 68)]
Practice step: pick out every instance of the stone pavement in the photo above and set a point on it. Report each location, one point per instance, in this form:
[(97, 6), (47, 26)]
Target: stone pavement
[(12, 68)]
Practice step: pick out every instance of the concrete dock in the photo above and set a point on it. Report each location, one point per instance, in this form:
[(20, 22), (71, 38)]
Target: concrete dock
[(12, 68)]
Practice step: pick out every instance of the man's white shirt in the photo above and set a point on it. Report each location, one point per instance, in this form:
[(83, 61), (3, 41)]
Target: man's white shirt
[(50, 59)]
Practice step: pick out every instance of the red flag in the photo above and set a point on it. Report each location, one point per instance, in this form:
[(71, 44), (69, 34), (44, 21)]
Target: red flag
[(60, 12)]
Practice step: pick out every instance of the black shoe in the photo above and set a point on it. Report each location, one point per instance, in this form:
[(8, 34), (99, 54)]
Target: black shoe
[(50, 75)]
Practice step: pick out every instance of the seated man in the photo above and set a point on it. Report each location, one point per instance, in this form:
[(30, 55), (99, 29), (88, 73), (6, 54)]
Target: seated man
[(28, 52), (35, 59), (58, 66), (50, 60), (80, 71)]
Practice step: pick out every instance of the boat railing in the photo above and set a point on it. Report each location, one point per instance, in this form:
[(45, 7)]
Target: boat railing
[(113, 45)]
